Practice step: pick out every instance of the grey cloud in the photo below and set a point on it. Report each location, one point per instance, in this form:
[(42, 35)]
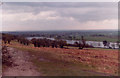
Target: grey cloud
[(102, 10), (80, 11), (63, 4)]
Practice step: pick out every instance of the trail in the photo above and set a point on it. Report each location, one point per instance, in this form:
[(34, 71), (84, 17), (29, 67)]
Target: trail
[(22, 64), (24, 67)]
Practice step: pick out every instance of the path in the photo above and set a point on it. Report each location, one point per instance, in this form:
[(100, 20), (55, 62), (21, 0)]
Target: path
[(22, 67)]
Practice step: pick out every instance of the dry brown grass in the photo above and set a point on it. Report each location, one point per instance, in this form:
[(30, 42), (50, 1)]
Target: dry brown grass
[(100, 60)]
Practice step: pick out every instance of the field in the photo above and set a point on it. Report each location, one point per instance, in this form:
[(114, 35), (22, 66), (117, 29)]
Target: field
[(71, 62), (89, 35)]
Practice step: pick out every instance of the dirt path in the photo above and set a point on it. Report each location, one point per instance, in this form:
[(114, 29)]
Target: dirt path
[(22, 65)]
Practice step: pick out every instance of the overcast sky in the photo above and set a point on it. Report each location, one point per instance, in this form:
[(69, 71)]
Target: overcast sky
[(21, 16)]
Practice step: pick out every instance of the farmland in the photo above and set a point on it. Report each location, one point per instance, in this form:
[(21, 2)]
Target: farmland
[(89, 35)]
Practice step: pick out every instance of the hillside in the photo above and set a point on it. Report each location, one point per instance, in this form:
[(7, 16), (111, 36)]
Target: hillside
[(71, 62)]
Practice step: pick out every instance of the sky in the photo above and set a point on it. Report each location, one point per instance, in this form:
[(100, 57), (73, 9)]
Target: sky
[(60, 0), (37, 16)]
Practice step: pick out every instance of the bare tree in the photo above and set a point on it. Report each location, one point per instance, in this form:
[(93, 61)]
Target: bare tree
[(82, 45)]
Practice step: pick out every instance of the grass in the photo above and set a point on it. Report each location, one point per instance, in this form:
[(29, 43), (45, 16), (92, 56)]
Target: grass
[(70, 47), (61, 68), (99, 49), (101, 39), (55, 65), (59, 62)]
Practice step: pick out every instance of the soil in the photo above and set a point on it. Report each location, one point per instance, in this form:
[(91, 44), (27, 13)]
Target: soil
[(22, 66)]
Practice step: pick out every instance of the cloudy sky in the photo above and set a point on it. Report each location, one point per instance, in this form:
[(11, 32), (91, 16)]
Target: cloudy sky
[(30, 16)]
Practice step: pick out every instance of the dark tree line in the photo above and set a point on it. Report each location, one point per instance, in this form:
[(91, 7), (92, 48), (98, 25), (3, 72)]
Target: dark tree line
[(48, 43), (59, 43), (23, 40), (7, 38)]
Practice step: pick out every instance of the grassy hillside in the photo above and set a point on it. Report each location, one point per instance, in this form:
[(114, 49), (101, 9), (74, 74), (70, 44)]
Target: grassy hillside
[(71, 62)]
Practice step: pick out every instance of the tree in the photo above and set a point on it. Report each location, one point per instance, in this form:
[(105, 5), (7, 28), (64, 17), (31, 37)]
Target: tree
[(7, 38), (82, 45), (62, 43), (76, 44), (105, 43)]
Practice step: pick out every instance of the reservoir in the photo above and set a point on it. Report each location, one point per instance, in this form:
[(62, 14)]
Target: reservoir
[(96, 44)]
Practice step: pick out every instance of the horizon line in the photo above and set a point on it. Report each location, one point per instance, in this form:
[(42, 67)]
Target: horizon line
[(56, 30)]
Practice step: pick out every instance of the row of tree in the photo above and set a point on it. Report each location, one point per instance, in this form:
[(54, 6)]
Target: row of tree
[(7, 38), (23, 40), (59, 43), (47, 43)]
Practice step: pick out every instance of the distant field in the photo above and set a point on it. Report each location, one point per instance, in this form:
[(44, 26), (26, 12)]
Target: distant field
[(72, 62), (89, 35), (101, 39)]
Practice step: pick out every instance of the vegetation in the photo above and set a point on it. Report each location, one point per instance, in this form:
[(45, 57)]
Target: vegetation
[(57, 57), (70, 62), (7, 38), (52, 55), (99, 35), (47, 43), (44, 42)]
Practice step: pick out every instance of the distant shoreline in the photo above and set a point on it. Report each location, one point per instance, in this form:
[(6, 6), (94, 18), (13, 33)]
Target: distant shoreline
[(60, 30)]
